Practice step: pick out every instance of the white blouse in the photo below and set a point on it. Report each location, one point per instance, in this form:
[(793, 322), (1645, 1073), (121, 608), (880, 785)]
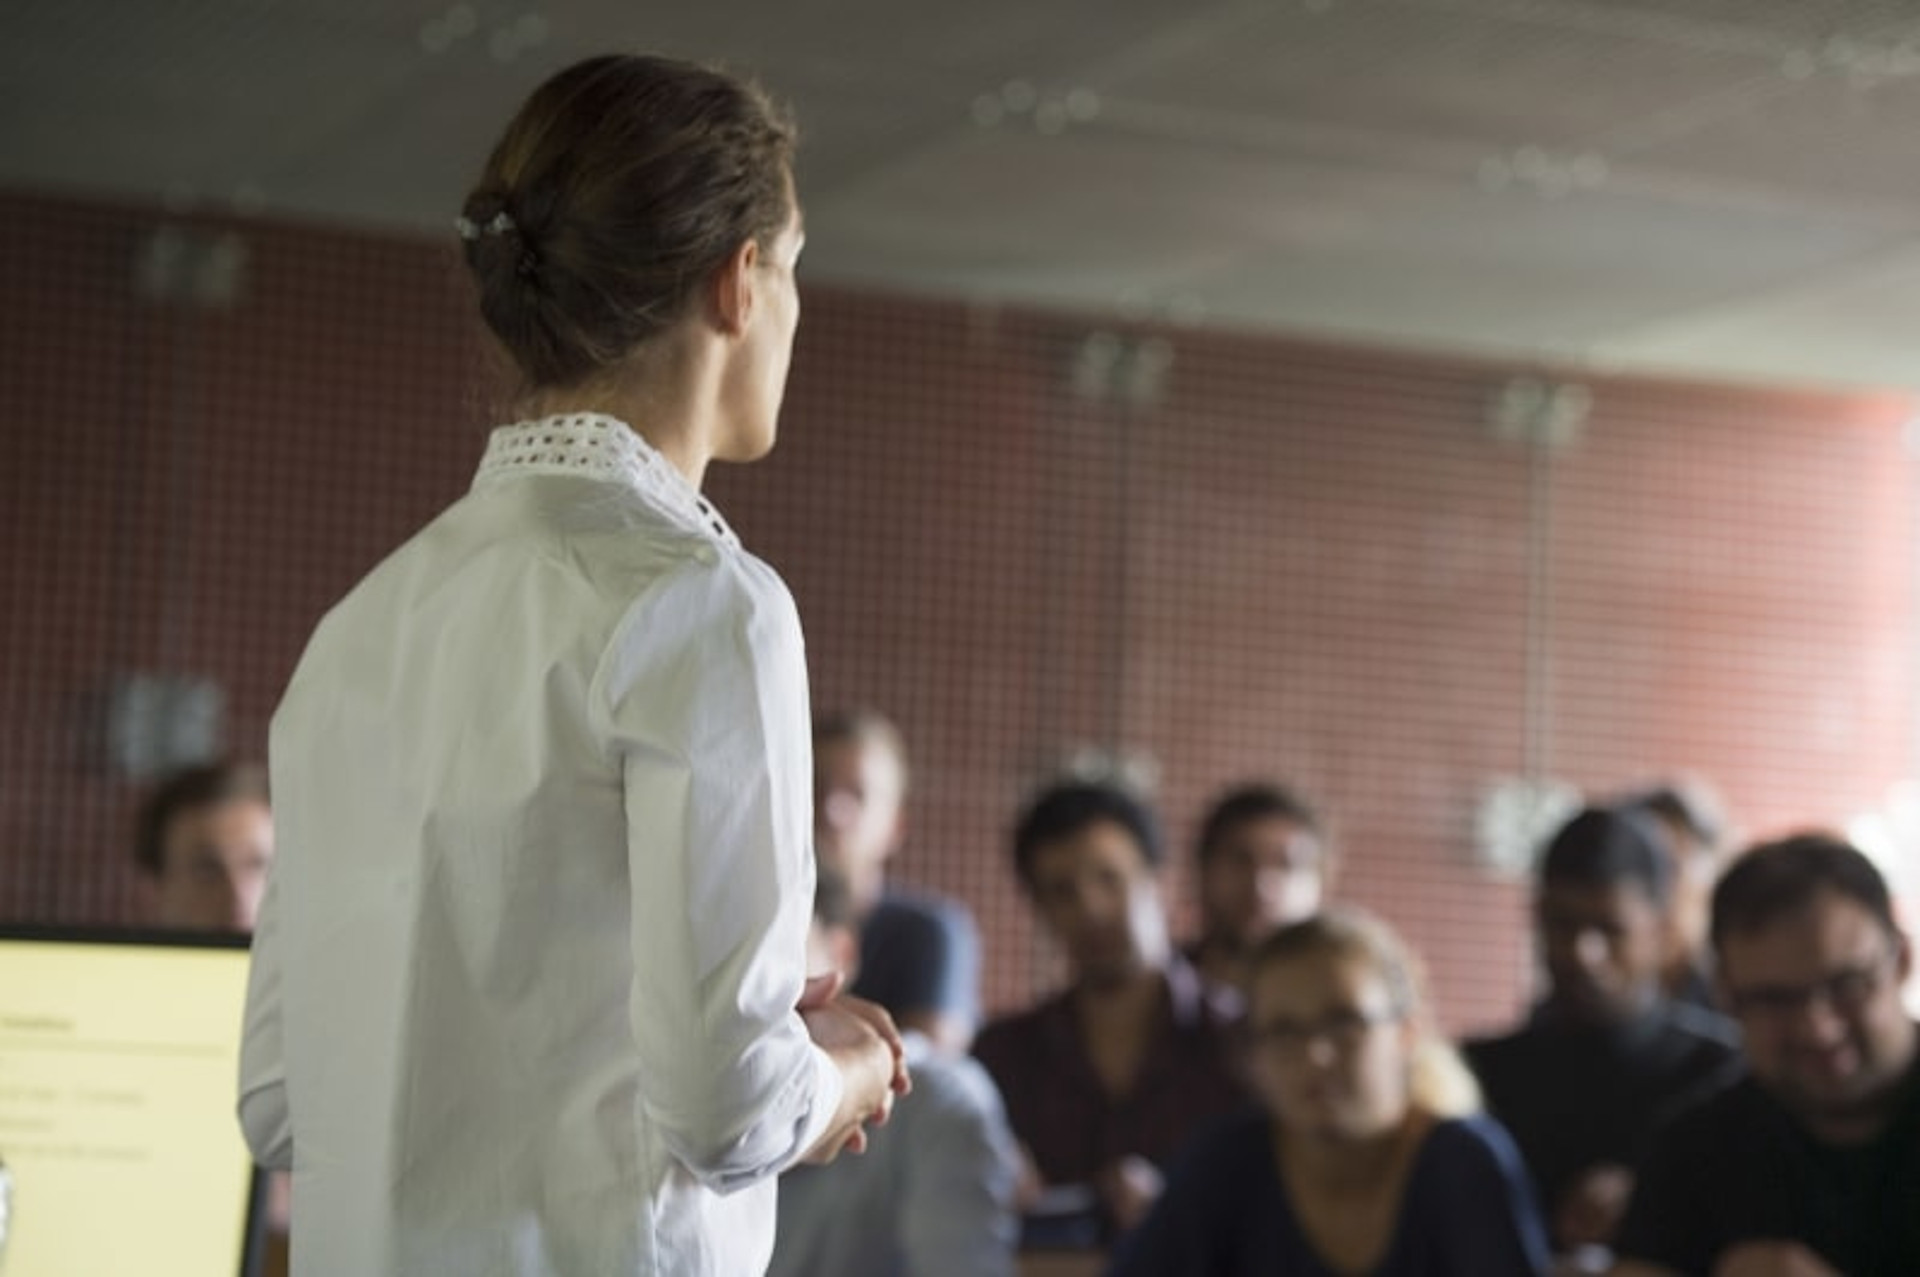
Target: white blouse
[(523, 983)]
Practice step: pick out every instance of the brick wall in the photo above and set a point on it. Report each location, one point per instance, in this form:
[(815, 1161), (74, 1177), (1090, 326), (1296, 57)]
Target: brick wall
[(1287, 559)]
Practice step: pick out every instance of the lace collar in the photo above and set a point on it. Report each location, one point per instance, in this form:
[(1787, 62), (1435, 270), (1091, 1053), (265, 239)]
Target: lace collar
[(595, 446)]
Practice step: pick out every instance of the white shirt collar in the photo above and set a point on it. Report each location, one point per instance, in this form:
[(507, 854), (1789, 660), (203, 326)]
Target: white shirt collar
[(594, 445)]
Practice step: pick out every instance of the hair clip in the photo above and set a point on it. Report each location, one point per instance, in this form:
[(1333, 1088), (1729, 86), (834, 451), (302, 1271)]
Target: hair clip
[(500, 225)]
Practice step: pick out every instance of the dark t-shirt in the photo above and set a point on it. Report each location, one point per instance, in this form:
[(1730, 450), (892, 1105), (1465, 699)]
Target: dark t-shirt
[(1694, 988), (1738, 1168), (1576, 1097), (1467, 1211)]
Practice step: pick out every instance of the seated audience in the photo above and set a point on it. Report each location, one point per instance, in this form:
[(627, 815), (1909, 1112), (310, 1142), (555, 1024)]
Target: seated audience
[(202, 847), (1366, 1155), (1810, 1166), (1263, 861), (1106, 1080), (1694, 830), (934, 1195), (1584, 1081), (919, 953)]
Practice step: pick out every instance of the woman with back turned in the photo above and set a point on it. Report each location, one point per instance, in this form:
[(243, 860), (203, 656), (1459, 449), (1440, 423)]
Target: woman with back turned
[(1366, 1156), (528, 989)]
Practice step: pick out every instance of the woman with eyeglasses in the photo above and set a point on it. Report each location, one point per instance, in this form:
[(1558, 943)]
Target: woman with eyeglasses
[(1367, 1155)]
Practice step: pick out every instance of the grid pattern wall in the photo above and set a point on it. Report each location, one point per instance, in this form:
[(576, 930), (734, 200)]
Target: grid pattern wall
[(1214, 556)]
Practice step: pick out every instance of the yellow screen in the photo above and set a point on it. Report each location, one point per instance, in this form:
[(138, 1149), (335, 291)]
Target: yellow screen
[(118, 1066)]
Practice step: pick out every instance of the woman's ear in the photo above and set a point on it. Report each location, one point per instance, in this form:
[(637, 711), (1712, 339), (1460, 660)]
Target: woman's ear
[(733, 289)]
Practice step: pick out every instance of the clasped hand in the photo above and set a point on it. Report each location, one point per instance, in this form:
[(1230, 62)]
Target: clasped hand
[(864, 1044)]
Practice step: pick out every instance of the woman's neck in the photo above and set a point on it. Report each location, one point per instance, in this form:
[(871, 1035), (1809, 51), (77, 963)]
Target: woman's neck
[(1340, 1165), (658, 396), (1347, 1193)]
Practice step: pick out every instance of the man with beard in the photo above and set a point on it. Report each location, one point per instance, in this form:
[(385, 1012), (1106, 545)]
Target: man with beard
[(1810, 1166), (1584, 1082), (1106, 1080), (1263, 861)]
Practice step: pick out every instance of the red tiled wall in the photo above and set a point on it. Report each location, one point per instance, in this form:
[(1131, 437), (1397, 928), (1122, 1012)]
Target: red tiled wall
[(1302, 562)]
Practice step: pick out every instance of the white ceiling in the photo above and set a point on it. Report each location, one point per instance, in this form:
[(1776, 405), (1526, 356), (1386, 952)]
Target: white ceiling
[(1727, 188)]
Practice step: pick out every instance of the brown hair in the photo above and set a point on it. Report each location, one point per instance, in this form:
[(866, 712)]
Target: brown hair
[(1779, 878), (1257, 800), (203, 786), (862, 726), (622, 184), (1440, 1084)]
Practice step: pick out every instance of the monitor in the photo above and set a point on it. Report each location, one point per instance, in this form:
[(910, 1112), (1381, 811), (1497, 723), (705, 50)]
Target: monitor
[(119, 1055)]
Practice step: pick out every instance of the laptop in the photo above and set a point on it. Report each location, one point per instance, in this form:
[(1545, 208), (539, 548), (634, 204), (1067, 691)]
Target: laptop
[(119, 1060)]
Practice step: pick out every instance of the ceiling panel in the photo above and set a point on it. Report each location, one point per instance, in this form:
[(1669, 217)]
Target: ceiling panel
[(1829, 134), (1010, 208), (1500, 75), (1570, 275), (1860, 316), (1722, 187)]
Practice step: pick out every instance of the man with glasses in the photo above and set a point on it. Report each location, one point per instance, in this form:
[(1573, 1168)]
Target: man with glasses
[(1809, 1167)]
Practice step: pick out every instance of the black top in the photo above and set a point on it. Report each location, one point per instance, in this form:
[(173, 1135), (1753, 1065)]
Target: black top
[(1467, 1211), (1695, 989), (1738, 1168), (1575, 1097)]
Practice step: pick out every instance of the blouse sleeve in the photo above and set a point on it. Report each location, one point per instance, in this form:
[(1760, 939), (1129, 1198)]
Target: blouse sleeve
[(264, 1116), (705, 696)]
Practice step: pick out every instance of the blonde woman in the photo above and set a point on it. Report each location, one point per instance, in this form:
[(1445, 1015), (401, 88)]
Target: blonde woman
[(1367, 1154)]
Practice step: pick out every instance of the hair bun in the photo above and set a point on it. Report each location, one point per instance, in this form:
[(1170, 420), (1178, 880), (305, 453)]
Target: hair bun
[(623, 182)]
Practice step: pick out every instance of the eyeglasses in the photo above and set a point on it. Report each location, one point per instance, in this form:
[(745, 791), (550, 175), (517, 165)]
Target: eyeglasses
[(1846, 990), (1344, 1029)]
